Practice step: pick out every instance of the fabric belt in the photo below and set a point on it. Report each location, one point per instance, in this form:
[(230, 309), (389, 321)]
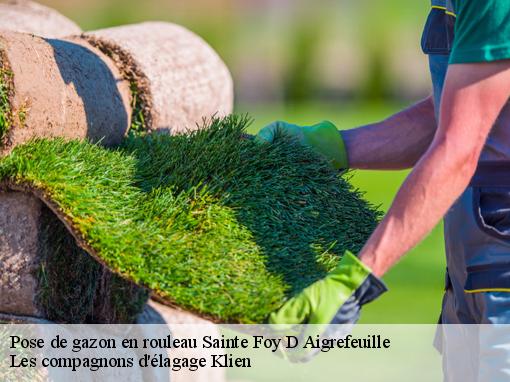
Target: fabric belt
[(488, 278), (445, 5)]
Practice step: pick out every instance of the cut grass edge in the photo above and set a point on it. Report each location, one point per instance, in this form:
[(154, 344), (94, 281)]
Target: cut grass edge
[(6, 93), (81, 242), (141, 104)]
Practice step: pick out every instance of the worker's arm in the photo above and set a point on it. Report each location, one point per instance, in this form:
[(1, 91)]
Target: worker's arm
[(472, 99), (395, 143)]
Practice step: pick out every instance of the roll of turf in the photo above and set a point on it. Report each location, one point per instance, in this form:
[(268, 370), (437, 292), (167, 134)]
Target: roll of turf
[(53, 88), (218, 225), (45, 275), (59, 88), (177, 79), (30, 17)]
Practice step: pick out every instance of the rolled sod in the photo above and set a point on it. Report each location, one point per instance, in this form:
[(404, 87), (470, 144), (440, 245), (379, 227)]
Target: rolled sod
[(59, 88), (30, 17), (177, 79), (19, 216), (212, 223)]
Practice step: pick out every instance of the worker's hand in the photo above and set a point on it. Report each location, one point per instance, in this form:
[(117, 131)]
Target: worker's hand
[(323, 137), (328, 307)]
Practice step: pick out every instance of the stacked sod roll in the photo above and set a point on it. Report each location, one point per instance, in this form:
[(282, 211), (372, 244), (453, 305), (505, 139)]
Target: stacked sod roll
[(80, 92), (68, 88), (29, 17), (176, 78), (59, 88), (215, 225), (46, 276), (182, 325), (19, 212)]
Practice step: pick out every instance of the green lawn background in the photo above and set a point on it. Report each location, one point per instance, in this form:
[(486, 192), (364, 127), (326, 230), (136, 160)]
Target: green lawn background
[(416, 282)]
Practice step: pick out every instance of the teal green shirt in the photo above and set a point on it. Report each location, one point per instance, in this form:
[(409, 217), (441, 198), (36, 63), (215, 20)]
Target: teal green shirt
[(482, 31)]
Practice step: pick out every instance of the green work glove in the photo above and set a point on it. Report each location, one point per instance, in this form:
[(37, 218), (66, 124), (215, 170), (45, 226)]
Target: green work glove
[(335, 300), (323, 137)]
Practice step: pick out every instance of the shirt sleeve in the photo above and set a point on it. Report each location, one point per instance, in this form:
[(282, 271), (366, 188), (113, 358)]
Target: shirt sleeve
[(482, 31)]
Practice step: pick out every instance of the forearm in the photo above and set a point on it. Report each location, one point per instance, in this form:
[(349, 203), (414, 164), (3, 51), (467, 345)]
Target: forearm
[(395, 143), (424, 198), (473, 97)]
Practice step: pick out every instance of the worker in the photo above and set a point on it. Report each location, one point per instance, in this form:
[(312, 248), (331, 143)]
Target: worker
[(458, 143)]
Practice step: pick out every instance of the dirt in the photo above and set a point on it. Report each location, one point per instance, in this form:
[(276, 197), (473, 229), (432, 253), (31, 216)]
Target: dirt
[(19, 219)]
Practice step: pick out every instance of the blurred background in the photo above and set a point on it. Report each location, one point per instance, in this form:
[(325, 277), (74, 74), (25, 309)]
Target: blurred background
[(292, 51), (349, 61)]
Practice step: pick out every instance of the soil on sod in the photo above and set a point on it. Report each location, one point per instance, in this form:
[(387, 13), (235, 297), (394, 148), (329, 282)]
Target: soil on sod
[(211, 222), (141, 103)]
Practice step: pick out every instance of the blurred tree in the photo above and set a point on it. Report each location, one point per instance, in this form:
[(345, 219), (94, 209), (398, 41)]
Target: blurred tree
[(303, 50), (377, 85), (291, 50)]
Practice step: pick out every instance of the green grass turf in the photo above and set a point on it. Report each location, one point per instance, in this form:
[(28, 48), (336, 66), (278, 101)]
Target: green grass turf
[(416, 282), (5, 107), (214, 223)]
